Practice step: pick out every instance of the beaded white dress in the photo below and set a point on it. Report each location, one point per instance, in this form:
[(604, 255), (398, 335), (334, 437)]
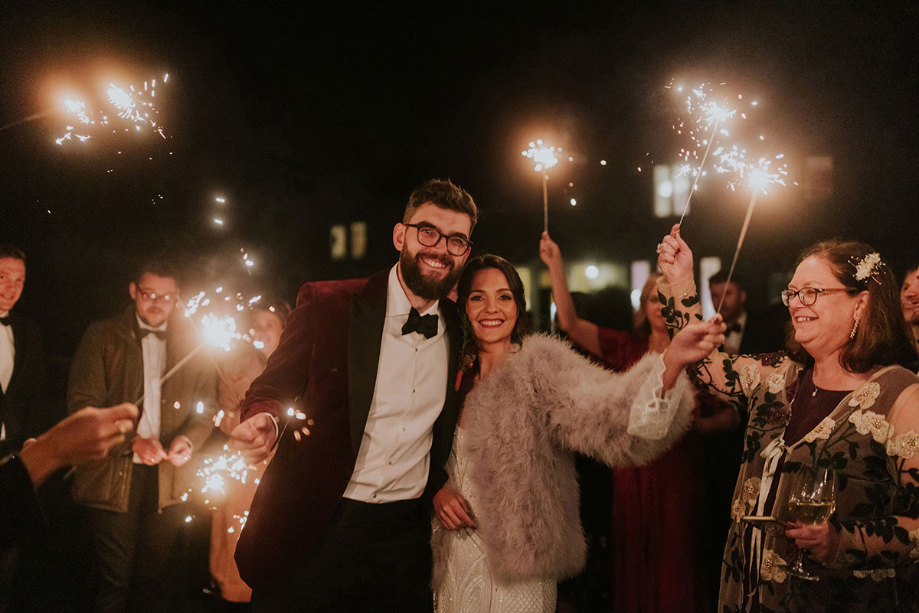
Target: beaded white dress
[(468, 585)]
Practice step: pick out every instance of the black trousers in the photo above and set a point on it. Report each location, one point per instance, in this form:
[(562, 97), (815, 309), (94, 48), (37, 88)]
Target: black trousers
[(136, 551), (371, 557)]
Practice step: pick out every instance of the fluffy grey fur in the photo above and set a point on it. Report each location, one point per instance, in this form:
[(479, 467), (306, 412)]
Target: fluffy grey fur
[(523, 422)]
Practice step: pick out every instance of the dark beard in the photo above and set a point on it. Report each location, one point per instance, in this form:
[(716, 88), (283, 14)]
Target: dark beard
[(423, 287)]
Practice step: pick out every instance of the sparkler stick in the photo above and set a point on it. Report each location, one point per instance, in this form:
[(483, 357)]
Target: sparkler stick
[(692, 190), (743, 233), (544, 156), (172, 371), (50, 111)]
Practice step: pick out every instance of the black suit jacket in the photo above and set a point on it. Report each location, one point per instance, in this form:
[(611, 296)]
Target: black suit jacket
[(24, 407), (326, 365), (765, 330)]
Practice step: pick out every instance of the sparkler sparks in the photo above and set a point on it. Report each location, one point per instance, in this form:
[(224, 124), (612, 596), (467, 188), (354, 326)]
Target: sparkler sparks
[(218, 472), (542, 154), (131, 104)]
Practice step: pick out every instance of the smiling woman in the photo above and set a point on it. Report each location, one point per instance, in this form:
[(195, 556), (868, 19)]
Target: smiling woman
[(507, 522), (838, 400)]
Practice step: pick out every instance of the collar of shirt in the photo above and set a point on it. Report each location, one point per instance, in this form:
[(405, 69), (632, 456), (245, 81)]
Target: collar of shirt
[(741, 322), (143, 326), (398, 305)]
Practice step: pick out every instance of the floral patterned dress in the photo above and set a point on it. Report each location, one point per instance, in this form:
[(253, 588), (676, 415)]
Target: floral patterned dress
[(870, 439)]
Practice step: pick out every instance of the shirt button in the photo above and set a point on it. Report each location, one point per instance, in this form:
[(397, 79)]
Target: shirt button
[(403, 429), (416, 349), (413, 390), (390, 462), (373, 495)]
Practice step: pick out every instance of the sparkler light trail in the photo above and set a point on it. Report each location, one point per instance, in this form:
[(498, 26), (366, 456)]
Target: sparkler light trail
[(544, 156), (134, 105), (758, 177), (710, 115)]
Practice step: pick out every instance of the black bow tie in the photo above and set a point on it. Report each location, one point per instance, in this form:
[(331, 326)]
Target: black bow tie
[(160, 334), (5, 321), (426, 325)]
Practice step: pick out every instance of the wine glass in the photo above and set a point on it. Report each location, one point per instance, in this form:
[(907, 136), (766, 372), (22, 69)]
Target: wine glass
[(812, 501)]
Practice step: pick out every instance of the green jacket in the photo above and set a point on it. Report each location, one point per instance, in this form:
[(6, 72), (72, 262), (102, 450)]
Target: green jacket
[(108, 370)]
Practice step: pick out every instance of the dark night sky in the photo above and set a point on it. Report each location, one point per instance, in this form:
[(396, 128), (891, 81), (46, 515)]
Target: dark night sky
[(306, 116)]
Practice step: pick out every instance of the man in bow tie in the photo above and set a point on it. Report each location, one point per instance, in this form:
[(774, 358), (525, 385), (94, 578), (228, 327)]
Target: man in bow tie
[(341, 519), (134, 494), (24, 408), (24, 411)]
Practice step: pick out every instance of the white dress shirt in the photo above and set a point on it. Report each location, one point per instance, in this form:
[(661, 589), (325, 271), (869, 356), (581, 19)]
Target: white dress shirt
[(154, 351), (7, 357), (409, 394), (732, 341)]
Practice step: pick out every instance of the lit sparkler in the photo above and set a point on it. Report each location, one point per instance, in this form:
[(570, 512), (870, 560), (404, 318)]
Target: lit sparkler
[(134, 105), (758, 177), (544, 156), (218, 472), (711, 115)]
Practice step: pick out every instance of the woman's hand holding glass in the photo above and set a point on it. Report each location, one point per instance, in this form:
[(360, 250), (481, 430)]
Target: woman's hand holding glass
[(810, 505)]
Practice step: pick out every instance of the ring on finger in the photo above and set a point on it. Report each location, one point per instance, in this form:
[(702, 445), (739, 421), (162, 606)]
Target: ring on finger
[(659, 248)]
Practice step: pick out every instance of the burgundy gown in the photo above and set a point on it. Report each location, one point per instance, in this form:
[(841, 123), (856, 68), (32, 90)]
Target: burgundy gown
[(657, 516)]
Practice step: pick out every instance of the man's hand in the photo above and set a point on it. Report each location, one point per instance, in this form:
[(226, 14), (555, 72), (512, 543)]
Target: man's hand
[(150, 450), (255, 437), (820, 540), (86, 435), (674, 257), (452, 509), (179, 451), (549, 252)]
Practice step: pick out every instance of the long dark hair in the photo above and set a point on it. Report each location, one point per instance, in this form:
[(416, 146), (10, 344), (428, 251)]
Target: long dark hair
[(883, 337), (464, 287)]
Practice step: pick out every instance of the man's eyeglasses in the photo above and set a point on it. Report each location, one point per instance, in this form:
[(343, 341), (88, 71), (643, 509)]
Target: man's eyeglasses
[(429, 237), (152, 297), (808, 295)]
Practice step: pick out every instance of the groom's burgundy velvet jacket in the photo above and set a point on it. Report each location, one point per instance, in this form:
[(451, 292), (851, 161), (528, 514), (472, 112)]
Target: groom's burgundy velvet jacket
[(326, 367)]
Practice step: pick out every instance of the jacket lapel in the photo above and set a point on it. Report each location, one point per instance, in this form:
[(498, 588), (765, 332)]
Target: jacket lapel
[(20, 350), (445, 425), (368, 314)]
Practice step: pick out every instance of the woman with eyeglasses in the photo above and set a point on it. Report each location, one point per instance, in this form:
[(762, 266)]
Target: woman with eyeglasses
[(837, 399)]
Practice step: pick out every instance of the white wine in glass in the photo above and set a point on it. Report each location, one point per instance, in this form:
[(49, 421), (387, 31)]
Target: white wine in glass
[(812, 501)]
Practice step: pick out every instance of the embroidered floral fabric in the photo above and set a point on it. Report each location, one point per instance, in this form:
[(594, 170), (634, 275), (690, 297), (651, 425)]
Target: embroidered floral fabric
[(870, 439)]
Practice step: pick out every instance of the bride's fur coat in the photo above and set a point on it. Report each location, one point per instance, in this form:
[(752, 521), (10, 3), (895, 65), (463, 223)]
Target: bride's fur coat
[(522, 422)]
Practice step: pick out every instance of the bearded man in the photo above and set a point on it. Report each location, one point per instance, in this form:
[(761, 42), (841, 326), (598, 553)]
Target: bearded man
[(360, 393)]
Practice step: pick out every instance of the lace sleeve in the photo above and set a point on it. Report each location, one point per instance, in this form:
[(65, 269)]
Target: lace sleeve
[(652, 413)]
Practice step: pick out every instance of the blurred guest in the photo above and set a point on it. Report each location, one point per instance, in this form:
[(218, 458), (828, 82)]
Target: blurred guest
[(86, 435), (133, 495), (24, 410), (909, 300), (838, 399), (266, 325), (657, 508), (748, 331)]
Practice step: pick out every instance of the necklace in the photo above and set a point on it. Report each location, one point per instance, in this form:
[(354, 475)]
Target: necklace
[(814, 394)]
